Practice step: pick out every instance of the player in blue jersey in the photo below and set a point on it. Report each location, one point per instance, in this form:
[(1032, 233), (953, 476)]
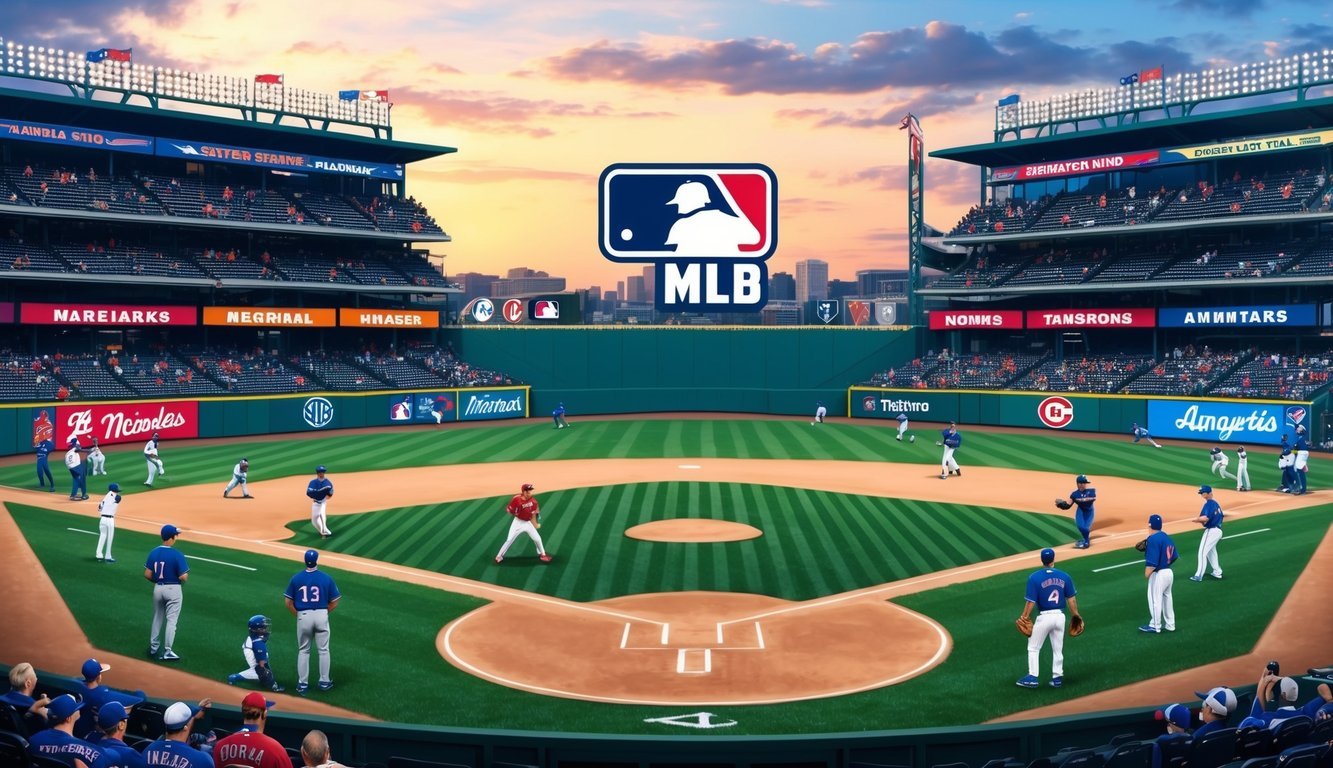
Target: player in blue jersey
[(109, 736), (1301, 466), (311, 597), (558, 416), (1048, 590), (951, 440), (173, 750), (1286, 459), (320, 490), (96, 694), (1141, 433), (1085, 499), (58, 742), (44, 478), (255, 651), (167, 569), (1158, 555), (1210, 517)]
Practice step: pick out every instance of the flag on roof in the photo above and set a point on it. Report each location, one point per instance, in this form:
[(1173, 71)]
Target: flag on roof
[(114, 54), (1130, 79), (272, 79), (1148, 75), (1007, 100), (374, 95), (349, 95)]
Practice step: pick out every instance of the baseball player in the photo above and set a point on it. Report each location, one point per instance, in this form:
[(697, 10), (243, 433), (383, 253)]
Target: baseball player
[(1242, 469), (439, 408), (238, 475), (44, 450), (1158, 555), (1048, 590), (74, 462), (320, 491), (1220, 462), (527, 519), (1210, 517), (1141, 433), (155, 466), (1301, 467), (167, 569), (903, 426), (951, 440), (255, 651), (311, 597), (1085, 499), (57, 742), (558, 416), (1286, 459), (96, 459), (820, 413), (106, 527)]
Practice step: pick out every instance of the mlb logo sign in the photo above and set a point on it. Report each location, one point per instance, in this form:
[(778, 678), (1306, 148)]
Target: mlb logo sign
[(707, 228), (545, 309)]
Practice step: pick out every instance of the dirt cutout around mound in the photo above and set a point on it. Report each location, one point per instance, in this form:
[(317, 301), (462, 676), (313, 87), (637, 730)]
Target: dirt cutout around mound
[(693, 530), (676, 648)]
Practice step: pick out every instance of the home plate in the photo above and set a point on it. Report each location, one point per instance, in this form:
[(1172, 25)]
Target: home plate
[(690, 466)]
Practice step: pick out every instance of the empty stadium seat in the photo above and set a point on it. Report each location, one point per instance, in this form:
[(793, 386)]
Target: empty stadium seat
[(1213, 749)]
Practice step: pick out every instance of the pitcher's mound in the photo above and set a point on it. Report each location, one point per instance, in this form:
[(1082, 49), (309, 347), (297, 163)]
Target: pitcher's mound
[(693, 531)]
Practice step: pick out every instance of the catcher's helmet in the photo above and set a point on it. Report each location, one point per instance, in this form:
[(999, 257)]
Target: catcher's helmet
[(259, 625)]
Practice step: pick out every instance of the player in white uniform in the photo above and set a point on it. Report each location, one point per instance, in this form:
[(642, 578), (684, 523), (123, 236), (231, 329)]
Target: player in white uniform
[(238, 476), (96, 460), (1220, 462), (950, 440), (820, 413), (155, 466), (903, 425), (1242, 469), (106, 527)]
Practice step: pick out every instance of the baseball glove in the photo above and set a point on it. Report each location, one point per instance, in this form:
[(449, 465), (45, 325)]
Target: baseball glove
[(1024, 625), (1063, 503), (1076, 625), (1142, 546)]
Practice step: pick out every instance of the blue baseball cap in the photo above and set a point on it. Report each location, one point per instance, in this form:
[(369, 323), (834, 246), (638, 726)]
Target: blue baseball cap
[(111, 713), (1048, 556), (62, 707), (92, 668), (321, 468), (169, 531), (1155, 522), (114, 487), (1205, 489), (311, 557), (1222, 701), (1176, 714), (1081, 479)]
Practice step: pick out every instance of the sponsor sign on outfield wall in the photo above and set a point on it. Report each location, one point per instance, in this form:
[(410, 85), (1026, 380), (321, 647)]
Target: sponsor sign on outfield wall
[(31, 313), (6, 312), (946, 320), (1239, 422), (270, 317), (388, 318), (1144, 317), (487, 404), (123, 423), (1259, 316), (73, 136), (432, 408)]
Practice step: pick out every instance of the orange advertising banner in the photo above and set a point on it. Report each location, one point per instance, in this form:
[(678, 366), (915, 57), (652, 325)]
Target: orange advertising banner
[(271, 317), (387, 318)]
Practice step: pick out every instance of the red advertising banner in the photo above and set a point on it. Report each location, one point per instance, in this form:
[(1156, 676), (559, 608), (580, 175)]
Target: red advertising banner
[(6, 312), (1144, 317), (33, 313), (125, 423), (1057, 168), (948, 320)]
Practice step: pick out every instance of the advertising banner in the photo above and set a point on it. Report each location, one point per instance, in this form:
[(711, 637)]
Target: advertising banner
[(430, 408), (6, 312), (1258, 316), (1274, 143), (273, 158), (33, 313), (387, 318), (925, 405), (485, 404), (941, 320), (270, 317), (120, 423), (71, 136), (1247, 423), (1091, 318), (1055, 169)]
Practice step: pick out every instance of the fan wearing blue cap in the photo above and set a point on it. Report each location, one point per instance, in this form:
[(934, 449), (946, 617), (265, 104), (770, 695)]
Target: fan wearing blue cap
[(174, 749), (1210, 517), (96, 694), (109, 735), (58, 742), (167, 569), (558, 416), (1158, 555), (106, 527), (1048, 589), (1218, 704), (1177, 736), (320, 490), (1085, 498)]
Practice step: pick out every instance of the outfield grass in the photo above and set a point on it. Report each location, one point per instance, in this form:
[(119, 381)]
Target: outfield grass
[(814, 543)]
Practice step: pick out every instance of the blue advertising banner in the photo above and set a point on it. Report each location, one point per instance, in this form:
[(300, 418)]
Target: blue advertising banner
[(432, 408), (71, 136), (1259, 316), (1248, 423), (483, 404), (272, 158)]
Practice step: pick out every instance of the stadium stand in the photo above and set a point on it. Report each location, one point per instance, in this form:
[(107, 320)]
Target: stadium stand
[(1093, 373), (340, 374), (1277, 375)]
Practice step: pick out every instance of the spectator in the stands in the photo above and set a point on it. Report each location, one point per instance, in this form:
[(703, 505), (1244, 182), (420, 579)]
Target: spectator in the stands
[(1177, 717), (250, 746), (1218, 704), (95, 694), (173, 749), (315, 751), (22, 683), (109, 736), (1287, 692), (58, 741)]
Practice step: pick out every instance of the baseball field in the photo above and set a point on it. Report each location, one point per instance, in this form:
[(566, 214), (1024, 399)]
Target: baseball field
[(783, 577)]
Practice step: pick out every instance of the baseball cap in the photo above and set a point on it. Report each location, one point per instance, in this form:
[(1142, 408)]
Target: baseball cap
[(1176, 714), (114, 487), (321, 468), (244, 460), (169, 531), (527, 487), (1081, 479), (311, 557), (92, 668), (1220, 700), (111, 713), (256, 700), (1205, 489), (178, 715), (1288, 689), (1048, 555), (1155, 522), (61, 707)]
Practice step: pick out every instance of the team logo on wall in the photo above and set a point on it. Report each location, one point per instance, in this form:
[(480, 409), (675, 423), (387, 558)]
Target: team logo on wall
[(859, 312), (401, 410), (317, 412), (42, 428), (1295, 415), (1056, 412), (826, 311), (869, 403), (887, 312), (483, 310), (545, 309), (512, 311)]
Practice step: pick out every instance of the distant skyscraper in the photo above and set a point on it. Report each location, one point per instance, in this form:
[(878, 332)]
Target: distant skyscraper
[(811, 280), (871, 283), (474, 284), (620, 290), (840, 289), (650, 283), (636, 292), (782, 287)]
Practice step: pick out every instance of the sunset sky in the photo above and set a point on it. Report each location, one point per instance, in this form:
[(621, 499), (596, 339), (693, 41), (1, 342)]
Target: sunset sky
[(540, 96)]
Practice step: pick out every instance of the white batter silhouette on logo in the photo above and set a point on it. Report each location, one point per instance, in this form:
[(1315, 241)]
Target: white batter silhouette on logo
[(706, 232)]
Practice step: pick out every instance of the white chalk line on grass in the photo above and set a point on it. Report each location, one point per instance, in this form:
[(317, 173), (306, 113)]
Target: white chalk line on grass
[(1140, 562)]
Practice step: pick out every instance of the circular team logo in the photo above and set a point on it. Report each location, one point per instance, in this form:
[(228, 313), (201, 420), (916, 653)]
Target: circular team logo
[(483, 310), (1056, 412), (869, 403), (317, 412), (513, 311)]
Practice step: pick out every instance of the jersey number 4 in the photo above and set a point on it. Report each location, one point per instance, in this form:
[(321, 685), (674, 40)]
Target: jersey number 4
[(1053, 598)]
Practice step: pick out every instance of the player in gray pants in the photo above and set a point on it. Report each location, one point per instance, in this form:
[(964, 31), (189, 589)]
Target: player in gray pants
[(311, 596)]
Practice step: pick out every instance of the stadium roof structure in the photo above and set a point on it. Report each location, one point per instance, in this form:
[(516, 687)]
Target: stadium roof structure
[(1166, 132), (132, 118)]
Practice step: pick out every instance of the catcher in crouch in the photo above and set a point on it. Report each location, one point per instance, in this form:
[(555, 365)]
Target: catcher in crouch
[(1085, 498), (1048, 589)]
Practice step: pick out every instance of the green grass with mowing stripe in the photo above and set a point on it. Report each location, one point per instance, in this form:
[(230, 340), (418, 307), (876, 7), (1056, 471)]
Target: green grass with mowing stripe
[(814, 543)]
